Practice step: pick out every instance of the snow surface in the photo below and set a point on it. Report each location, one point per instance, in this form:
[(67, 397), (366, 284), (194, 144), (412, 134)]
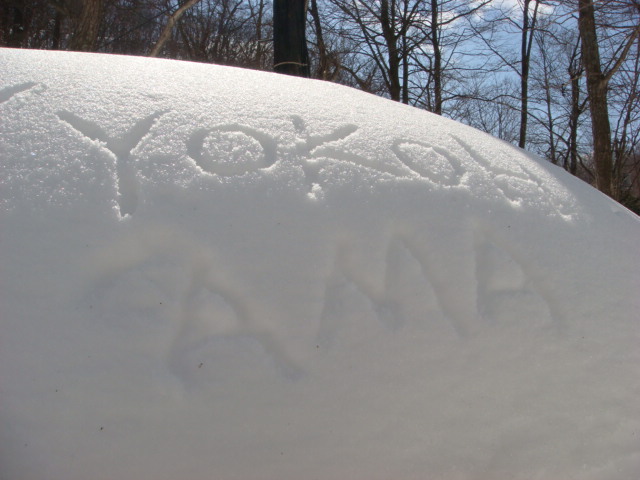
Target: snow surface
[(215, 273)]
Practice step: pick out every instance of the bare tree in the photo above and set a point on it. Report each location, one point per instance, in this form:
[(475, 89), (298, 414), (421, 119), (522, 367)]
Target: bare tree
[(131, 27), (529, 20), (577, 106), (496, 114), (259, 52), (625, 100), (168, 28), (226, 32), (556, 100), (327, 64), (520, 20), (380, 32), (597, 86), (446, 33)]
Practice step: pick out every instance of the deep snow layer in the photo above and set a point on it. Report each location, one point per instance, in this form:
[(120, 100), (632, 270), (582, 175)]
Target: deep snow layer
[(209, 272)]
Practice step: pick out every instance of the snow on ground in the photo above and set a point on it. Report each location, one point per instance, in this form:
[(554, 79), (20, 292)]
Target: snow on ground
[(209, 272)]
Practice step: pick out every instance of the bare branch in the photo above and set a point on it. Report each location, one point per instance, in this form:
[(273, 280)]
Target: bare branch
[(168, 28)]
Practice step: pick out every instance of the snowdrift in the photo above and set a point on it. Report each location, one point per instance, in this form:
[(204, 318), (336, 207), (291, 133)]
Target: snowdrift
[(209, 272)]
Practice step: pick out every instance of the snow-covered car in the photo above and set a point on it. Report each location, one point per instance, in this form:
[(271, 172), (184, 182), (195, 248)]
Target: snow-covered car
[(209, 272)]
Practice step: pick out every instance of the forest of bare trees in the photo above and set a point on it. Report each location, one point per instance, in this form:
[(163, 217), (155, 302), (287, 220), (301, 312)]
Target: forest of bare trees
[(559, 78)]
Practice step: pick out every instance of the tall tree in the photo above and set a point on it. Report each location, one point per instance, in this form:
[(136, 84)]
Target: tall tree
[(597, 86), (259, 52), (437, 56), (499, 37), (326, 68), (574, 71), (529, 19), (85, 37), (382, 34), (290, 54), (445, 35), (556, 86)]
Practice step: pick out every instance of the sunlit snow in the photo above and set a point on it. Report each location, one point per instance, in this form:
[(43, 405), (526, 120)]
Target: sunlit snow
[(215, 273)]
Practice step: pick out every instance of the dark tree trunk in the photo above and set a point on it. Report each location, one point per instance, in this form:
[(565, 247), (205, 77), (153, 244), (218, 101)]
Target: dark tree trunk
[(387, 24), (17, 16), (405, 72), (405, 54), (597, 89), (55, 37), (324, 65), (573, 121), (86, 35), (528, 26), (259, 45), (290, 55), (437, 58)]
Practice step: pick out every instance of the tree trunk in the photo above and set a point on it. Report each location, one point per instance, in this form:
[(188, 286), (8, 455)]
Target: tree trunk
[(437, 58), (324, 65), (405, 54), (290, 55), (388, 32), (259, 47), (55, 37), (573, 124), (525, 58), (597, 89), (17, 24), (86, 35), (575, 72)]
